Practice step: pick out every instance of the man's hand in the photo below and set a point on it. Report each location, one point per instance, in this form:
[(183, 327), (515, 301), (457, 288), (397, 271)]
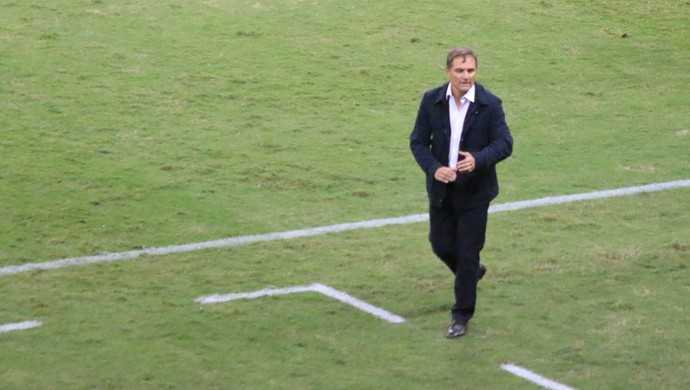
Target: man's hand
[(445, 174), (467, 163)]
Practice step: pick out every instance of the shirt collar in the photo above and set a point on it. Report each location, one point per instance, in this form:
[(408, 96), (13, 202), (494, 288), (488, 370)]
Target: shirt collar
[(469, 95)]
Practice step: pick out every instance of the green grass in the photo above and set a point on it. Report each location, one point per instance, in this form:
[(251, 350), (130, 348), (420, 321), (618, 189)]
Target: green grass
[(140, 124)]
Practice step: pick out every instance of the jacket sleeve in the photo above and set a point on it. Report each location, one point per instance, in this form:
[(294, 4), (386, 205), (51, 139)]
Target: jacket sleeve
[(421, 138), (500, 141)]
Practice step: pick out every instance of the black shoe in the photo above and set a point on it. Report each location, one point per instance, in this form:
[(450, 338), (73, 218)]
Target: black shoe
[(482, 272), (456, 329)]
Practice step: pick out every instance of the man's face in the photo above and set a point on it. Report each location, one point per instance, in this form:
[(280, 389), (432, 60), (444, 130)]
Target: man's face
[(461, 74)]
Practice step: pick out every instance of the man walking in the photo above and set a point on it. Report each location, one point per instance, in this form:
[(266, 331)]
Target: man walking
[(458, 138)]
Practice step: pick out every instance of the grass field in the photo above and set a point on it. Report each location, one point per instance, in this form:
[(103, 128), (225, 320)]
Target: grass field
[(138, 124)]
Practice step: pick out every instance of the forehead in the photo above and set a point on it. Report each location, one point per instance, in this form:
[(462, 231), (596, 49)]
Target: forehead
[(463, 62)]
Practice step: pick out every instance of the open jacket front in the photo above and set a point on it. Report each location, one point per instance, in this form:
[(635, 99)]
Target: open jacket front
[(485, 135)]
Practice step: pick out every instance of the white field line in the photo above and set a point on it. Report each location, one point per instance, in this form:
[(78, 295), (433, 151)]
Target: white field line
[(534, 378), (268, 292), (19, 326), (316, 287), (361, 305), (244, 240)]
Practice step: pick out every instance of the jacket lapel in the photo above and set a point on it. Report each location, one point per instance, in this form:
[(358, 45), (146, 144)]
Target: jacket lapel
[(472, 112), (474, 108)]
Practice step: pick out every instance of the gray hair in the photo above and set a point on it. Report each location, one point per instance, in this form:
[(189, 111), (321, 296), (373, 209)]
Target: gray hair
[(460, 52)]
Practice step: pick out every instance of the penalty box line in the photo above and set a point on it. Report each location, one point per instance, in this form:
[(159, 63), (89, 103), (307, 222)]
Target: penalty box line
[(316, 287), (534, 378), (244, 240), (4, 328)]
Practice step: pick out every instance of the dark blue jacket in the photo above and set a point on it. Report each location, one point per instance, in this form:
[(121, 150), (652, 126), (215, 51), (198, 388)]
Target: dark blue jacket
[(486, 136)]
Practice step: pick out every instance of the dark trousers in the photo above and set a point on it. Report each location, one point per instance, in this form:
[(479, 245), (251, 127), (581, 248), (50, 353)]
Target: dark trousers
[(457, 236)]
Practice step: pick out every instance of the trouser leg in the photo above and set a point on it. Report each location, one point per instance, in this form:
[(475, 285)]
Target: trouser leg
[(470, 236), (457, 237), (442, 234)]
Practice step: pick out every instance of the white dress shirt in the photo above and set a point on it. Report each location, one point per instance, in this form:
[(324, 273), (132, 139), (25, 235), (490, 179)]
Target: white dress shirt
[(457, 122)]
